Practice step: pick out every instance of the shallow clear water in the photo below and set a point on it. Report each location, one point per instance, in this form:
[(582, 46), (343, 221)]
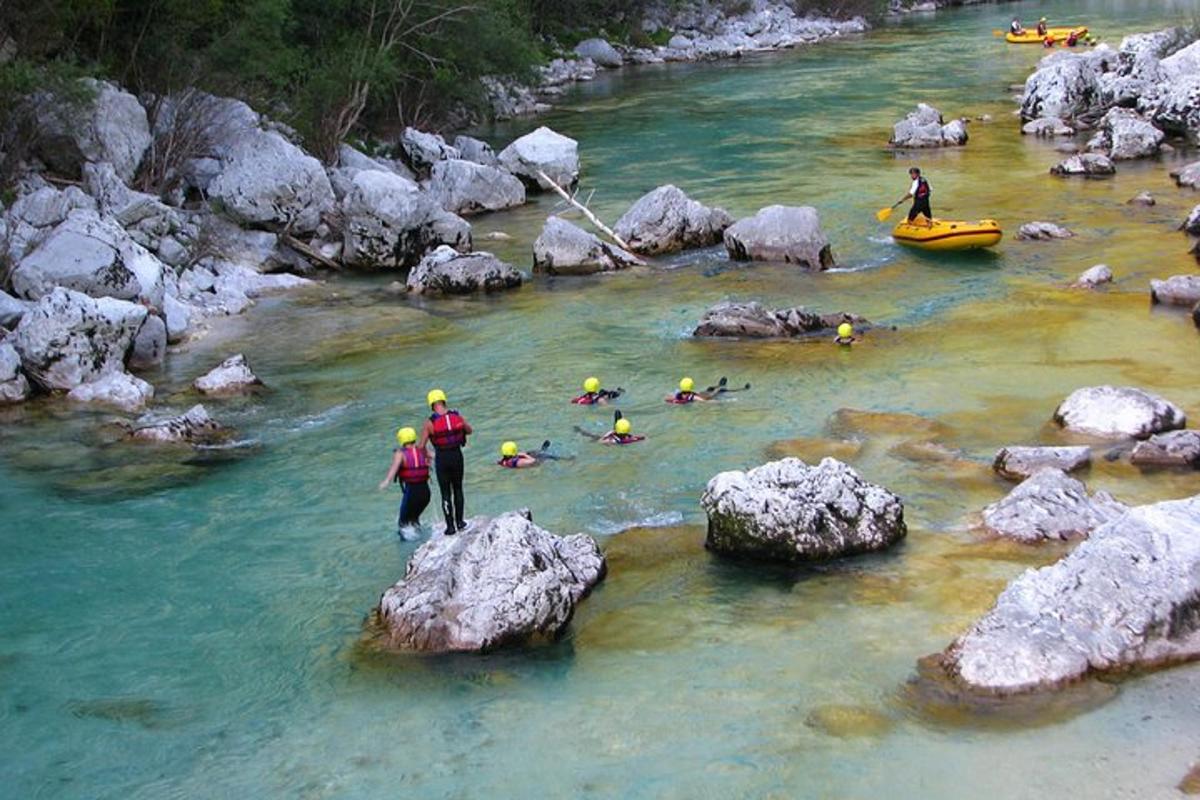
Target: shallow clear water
[(183, 628)]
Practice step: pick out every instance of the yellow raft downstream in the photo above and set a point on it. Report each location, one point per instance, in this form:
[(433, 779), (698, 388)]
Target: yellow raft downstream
[(1031, 36), (946, 234)]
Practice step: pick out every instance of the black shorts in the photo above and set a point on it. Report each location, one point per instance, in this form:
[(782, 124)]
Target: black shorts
[(920, 206)]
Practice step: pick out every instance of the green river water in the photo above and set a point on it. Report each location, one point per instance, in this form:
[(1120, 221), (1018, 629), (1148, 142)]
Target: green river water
[(175, 628)]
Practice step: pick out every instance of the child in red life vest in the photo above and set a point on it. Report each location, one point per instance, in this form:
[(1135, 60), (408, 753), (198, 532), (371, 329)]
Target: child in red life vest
[(410, 468)]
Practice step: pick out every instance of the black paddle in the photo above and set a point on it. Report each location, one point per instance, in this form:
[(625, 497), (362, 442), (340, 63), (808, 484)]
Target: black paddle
[(722, 388)]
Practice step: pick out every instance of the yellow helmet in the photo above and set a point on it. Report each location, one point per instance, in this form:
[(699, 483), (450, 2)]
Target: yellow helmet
[(687, 385), (406, 436), (508, 449), (845, 330), (622, 427), (1043, 19), (591, 385), (435, 396)]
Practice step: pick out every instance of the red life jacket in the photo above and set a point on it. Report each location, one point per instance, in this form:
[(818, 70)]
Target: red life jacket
[(414, 467), (682, 398), (626, 438), (512, 462), (449, 430), (588, 399), (923, 190)]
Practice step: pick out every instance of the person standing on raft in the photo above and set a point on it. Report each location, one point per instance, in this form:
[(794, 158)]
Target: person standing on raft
[(919, 193), (1016, 27), (1041, 27), (410, 468), (448, 432)]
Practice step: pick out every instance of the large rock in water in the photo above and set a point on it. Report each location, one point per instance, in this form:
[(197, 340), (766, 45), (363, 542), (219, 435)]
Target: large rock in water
[(111, 126), (193, 427), (791, 234), (390, 223), (1177, 290), (923, 128), (1171, 449), (232, 376), (546, 151), (566, 249), (788, 511), (1066, 85), (1089, 165), (1127, 597), (753, 321), (667, 220), (1118, 412), (1124, 135), (1018, 463), (1049, 505), (464, 187), (269, 181), (93, 255), (447, 271), (69, 338), (507, 581)]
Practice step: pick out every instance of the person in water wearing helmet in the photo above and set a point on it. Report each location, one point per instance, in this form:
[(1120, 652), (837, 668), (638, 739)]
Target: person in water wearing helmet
[(593, 395), (1041, 27), (687, 394), (448, 432), (512, 457), (845, 334), (918, 192), (1072, 38), (1048, 42), (410, 468), (621, 432)]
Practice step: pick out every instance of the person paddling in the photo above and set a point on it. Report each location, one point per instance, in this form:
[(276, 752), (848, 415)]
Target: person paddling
[(512, 457), (687, 394), (448, 432), (410, 468), (918, 192), (1016, 27), (593, 395), (621, 432)]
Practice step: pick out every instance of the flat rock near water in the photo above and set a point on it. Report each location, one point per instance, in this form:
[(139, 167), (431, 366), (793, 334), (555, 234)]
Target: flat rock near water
[(1049, 505), (192, 427), (1171, 449), (754, 321), (1089, 165), (1127, 597), (788, 511), (231, 377), (1118, 412), (504, 581), (1018, 463), (1177, 290), (1043, 230)]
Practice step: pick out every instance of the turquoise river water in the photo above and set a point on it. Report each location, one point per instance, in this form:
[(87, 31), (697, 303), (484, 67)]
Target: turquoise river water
[(183, 627)]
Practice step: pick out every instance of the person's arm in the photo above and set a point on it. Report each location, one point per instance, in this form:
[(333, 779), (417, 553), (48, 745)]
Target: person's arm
[(426, 432), (608, 438), (526, 460), (467, 427), (397, 459), (588, 434)]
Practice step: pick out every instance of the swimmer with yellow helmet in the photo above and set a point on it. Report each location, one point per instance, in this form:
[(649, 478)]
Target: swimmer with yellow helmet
[(845, 334), (687, 392), (593, 395), (447, 431), (410, 468), (512, 457), (621, 433)]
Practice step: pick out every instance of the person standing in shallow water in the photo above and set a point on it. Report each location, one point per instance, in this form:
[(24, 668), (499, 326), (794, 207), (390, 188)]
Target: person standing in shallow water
[(410, 467), (447, 431)]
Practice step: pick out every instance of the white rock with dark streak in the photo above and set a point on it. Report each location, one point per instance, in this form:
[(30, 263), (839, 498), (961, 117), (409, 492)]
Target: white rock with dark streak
[(150, 344), (1066, 85), (1047, 126), (1118, 412), (924, 128), (1171, 449), (545, 151), (192, 427), (447, 271), (476, 151), (232, 376), (754, 321), (390, 223), (110, 125), (788, 511), (1127, 597), (1042, 230), (789, 234), (566, 249), (1191, 225), (1049, 505), (14, 388), (1018, 463), (1124, 135), (68, 338), (116, 389), (504, 582), (600, 52), (464, 187), (667, 220), (423, 150), (1187, 176), (1177, 290), (1091, 165)]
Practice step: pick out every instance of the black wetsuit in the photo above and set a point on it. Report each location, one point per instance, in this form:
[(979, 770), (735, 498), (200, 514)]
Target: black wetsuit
[(921, 201), (416, 499), (448, 464)]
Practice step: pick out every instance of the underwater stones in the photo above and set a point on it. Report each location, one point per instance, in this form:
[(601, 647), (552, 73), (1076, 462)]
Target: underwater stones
[(232, 376), (1092, 277), (506, 581), (68, 338), (194, 426), (753, 321), (923, 128), (1018, 463), (1177, 290), (563, 248), (117, 389), (1049, 505), (788, 511), (666, 220), (446, 271), (789, 234), (1171, 449), (543, 150), (1091, 165), (1126, 597), (1047, 126), (1042, 231), (1118, 412), (846, 721)]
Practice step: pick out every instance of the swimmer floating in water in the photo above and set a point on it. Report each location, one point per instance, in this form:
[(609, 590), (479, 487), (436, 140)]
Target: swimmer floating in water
[(593, 395), (511, 457), (620, 434), (687, 392), (845, 334)]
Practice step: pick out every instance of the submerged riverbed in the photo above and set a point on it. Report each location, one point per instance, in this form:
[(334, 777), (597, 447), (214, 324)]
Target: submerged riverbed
[(190, 629)]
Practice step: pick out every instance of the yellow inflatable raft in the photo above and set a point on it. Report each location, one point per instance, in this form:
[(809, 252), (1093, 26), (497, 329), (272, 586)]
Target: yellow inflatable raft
[(1031, 36), (945, 234)]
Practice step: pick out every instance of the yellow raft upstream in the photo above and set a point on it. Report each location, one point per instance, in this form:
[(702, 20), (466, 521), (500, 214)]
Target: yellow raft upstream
[(946, 234), (1032, 37)]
